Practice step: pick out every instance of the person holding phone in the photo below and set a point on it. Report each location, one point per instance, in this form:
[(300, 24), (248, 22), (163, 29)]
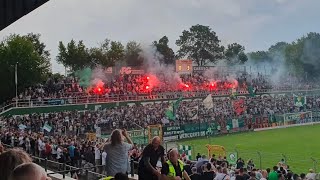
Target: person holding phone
[(117, 160)]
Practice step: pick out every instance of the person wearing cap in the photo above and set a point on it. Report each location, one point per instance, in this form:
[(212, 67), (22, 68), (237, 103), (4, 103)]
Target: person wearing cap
[(173, 169)]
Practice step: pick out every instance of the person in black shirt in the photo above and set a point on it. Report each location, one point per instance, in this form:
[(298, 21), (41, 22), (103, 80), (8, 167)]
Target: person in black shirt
[(198, 156), (245, 173), (195, 175), (148, 162), (240, 163), (208, 174), (239, 176)]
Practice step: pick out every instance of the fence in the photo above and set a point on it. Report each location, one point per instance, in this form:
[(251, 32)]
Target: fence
[(262, 160), (67, 171), (82, 99)]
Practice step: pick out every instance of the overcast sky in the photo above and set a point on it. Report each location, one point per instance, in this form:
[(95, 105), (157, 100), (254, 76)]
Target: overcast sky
[(256, 24)]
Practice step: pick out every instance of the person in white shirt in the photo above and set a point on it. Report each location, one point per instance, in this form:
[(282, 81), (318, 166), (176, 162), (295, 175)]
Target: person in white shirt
[(21, 141), (28, 145), (103, 160), (311, 175), (40, 148), (222, 174), (54, 151), (97, 157), (59, 154)]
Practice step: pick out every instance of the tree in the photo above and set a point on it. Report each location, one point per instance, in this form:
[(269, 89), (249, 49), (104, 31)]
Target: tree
[(234, 54), (200, 44), (107, 54), (303, 55), (73, 56), (132, 54), (260, 56), (115, 53), (32, 59), (164, 49)]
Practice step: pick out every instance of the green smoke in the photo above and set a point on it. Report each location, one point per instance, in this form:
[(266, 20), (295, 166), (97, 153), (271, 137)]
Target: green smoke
[(84, 77)]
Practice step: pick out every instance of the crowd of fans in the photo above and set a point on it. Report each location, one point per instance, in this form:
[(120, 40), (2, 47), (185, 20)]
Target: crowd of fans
[(140, 116), (112, 158), (136, 85), (64, 142)]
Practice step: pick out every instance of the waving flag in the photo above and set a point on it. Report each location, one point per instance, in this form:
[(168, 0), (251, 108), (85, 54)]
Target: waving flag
[(208, 103), (170, 112), (299, 100), (238, 106), (252, 91), (193, 112), (47, 127)]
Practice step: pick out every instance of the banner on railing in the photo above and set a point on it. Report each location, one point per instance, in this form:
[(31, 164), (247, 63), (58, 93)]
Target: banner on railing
[(56, 102)]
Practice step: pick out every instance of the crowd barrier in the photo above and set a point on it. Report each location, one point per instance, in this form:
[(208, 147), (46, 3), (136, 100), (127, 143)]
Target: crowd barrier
[(207, 127), (81, 99), (57, 170)]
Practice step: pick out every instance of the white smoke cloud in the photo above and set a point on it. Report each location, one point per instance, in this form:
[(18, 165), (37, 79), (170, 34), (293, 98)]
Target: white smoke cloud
[(152, 65)]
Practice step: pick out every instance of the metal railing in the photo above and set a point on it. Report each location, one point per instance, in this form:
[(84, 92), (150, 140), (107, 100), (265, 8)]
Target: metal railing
[(64, 168), (74, 100)]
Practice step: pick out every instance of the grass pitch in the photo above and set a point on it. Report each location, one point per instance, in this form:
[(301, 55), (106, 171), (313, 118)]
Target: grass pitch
[(299, 145)]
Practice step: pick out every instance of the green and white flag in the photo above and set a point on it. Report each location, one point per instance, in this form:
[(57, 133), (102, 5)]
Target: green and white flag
[(170, 112), (47, 127), (193, 112), (187, 150), (299, 100), (252, 91), (232, 157)]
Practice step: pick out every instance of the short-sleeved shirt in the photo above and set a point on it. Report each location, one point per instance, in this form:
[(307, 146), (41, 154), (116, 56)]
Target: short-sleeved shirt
[(71, 151), (117, 160), (154, 155), (273, 176), (104, 157), (165, 169)]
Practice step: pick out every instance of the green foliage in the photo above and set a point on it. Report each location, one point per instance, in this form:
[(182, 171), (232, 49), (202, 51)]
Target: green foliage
[(260, 56), (115, 52), (200, 44), (164, 49), (234, 54), (32, 59), (303, 55), (299, 57), (78, 56), (132, 51), (74, 56)]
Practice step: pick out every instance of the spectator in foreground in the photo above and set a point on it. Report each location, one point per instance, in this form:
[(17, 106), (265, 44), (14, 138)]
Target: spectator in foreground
[(311, 175), (9, 160), (208, 173), (117, 150), (174, 168), (264, 175), (274, 174), (29, 171), (195, 175), (151, 154)]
